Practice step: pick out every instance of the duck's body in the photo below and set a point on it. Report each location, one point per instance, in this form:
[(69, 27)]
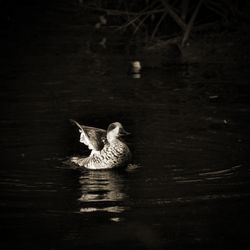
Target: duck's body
[(107, 150)]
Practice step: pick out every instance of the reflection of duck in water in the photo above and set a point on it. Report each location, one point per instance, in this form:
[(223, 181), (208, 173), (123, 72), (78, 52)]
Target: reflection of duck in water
[(107, 150), (102, 191)]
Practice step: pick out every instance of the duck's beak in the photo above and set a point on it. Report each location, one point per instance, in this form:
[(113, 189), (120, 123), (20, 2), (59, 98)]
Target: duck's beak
[(123, 132)]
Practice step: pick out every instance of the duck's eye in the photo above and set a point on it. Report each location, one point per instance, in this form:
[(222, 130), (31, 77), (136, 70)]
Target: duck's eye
[(111, 127)]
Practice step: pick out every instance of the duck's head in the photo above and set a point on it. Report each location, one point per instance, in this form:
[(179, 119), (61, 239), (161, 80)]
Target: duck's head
[(115, 130)]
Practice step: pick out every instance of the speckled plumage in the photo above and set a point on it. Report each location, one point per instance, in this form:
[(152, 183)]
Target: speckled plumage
[(108, 151)]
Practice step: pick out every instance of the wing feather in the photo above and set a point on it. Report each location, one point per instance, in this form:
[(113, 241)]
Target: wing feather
[(93, 137)]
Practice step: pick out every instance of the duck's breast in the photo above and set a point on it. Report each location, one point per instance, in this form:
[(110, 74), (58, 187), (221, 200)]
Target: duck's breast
[(116, 154)]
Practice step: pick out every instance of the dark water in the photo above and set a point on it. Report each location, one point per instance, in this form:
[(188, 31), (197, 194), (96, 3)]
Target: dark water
[(188, 187)]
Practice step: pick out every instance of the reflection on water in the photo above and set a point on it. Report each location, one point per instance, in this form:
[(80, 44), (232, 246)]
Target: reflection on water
[(207, 174), (102, 191)]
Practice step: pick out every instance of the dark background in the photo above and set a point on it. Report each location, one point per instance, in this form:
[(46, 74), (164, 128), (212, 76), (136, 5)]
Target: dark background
[(188, 185)]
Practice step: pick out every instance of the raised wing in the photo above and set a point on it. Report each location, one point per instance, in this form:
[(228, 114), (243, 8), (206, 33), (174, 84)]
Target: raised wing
[(94, 138)]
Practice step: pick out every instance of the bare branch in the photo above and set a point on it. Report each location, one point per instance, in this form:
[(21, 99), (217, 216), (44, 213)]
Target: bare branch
[(190, 23), (114, 12), (173, 14)]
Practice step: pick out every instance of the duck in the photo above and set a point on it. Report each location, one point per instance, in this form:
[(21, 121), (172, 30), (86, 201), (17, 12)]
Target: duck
[(108, 150)]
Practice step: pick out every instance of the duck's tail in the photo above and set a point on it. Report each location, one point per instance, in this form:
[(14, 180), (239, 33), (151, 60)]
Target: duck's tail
[(80, 161)]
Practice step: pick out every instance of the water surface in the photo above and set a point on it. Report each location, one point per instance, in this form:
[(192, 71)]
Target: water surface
[(187, 187)]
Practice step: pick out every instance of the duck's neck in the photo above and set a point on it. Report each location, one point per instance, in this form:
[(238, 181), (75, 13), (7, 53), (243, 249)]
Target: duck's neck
[(112, 136), (112, 139)]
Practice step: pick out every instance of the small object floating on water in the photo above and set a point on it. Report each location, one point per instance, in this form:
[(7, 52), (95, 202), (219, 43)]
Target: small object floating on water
[(107, 150), (136, 66), (213, 97), (135, 69)]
